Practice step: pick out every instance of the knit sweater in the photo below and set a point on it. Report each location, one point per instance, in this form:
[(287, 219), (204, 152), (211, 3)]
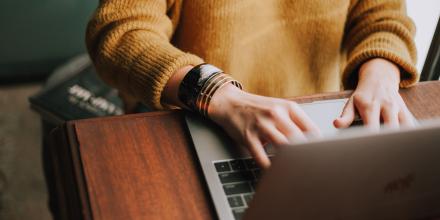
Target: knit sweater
[(279, 48)]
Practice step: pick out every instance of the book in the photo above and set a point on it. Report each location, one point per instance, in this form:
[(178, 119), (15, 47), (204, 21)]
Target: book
[(75, 91)]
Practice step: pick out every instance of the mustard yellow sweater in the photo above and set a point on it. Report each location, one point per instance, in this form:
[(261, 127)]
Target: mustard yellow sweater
[(279, 48)]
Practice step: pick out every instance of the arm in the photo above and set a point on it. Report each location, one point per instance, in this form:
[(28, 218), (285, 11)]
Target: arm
[(251, 120), (129, 43), (381, 56)]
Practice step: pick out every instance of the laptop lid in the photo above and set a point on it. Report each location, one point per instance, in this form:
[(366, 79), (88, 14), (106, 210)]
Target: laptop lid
[(212, 144), (392, 175)]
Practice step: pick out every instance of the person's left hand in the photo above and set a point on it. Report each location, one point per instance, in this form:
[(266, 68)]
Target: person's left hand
[(377, 97)]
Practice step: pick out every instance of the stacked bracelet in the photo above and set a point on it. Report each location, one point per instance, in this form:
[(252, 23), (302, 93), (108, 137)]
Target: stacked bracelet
[(199, 85), (211, 86)]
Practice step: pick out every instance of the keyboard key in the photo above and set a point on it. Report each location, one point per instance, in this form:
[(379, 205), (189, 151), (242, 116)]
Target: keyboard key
[(248, 198), (236, 188), (235, 201), (238, 213), (251, 163), (222, 166), (236, 177), (237, 164)]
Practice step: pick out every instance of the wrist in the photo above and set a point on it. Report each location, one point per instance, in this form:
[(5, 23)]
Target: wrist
[(225, 97), (379, 70), (170, 91), (200, 84)]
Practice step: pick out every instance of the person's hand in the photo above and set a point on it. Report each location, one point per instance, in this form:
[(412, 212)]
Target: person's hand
[(253, 120), (377, 97)]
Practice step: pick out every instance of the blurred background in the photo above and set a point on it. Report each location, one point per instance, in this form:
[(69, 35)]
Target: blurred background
[(36, 38)]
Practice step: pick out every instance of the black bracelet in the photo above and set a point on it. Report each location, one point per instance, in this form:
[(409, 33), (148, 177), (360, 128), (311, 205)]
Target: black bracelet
[(193, 82)]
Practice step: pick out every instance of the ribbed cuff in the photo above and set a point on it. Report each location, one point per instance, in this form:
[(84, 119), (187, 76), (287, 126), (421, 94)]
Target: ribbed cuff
[(408, 72), (153, 74)]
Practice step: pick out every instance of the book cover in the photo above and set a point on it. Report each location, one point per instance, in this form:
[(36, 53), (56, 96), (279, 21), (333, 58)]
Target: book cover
[(81, 95)]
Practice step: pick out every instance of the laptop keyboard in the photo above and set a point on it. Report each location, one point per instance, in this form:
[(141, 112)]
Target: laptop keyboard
[(239, 178)]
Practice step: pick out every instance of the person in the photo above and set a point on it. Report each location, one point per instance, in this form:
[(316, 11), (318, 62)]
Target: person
[(235, 61)]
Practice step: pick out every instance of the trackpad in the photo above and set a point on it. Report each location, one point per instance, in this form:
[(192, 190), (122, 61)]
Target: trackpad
[(323, 113)]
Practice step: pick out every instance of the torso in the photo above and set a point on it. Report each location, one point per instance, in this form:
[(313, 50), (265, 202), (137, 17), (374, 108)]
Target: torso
[(279, 48)]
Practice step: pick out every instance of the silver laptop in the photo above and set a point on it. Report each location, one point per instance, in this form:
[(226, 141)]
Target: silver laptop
[(348, 184)]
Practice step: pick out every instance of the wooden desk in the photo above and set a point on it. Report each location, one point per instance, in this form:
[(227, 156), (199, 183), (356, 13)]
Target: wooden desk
[(143, 166)]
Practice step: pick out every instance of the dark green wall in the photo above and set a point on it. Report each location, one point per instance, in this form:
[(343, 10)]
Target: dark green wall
[(36, 36)]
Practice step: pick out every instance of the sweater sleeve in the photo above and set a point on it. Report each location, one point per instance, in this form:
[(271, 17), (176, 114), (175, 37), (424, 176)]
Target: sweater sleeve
[(129, 43), (379, 28)]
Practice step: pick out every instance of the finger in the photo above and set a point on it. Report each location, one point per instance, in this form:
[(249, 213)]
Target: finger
[(295, 134), (298, 135), (268, 131), (257, 151), (290, 130), (390, 116), (347, 116), (370, 115), (302, 120), (406, 118)]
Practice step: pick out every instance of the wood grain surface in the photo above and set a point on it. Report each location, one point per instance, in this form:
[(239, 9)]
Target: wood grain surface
[(140, 167), (143, 166)]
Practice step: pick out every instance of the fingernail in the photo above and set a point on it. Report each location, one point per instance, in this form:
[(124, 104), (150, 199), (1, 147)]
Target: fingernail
[(297, 139), (335, 123), (312, 135), (266, 165)]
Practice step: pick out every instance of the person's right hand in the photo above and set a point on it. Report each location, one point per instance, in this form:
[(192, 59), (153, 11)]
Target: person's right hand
[(253, 120)]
